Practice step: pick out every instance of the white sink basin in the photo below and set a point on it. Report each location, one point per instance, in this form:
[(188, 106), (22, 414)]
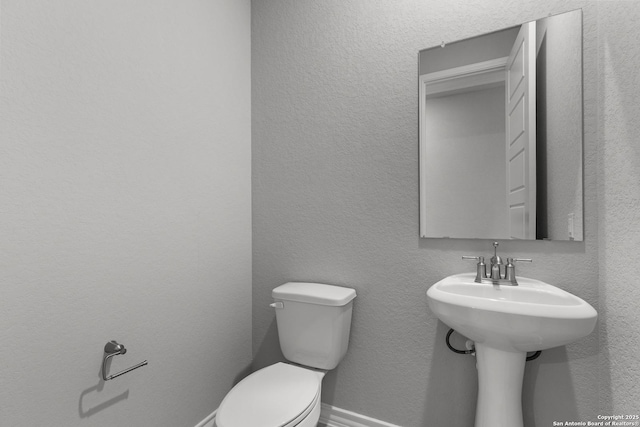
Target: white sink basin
[(531, 316), (505, 322)]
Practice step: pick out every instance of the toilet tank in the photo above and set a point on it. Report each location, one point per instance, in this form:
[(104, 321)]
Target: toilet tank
[(314, 322)]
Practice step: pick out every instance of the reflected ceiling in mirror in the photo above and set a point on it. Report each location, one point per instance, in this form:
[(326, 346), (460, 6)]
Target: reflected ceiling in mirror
[(501, 134)]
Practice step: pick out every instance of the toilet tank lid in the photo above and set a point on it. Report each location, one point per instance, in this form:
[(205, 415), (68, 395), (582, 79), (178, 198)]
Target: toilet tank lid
[(314, 293)]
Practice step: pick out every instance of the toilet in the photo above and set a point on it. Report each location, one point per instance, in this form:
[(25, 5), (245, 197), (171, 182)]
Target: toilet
[(314, 322)]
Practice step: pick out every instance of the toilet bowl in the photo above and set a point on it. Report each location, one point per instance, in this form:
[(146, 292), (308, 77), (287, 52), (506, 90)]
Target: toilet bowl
[(280, 395), (314, 323)]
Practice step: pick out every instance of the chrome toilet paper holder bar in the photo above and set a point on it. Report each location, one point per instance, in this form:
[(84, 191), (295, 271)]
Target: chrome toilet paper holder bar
[(112, 348)]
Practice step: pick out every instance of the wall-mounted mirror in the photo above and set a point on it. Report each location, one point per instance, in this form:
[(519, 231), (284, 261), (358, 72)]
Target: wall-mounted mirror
[(501, 134)]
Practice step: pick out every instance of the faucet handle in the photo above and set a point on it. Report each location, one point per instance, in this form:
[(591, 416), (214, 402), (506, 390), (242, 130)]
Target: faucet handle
[(510, 270), (481, 268), (512, 260)]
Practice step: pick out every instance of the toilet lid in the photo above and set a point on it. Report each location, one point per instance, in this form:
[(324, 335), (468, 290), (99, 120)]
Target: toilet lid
[(271, 397)]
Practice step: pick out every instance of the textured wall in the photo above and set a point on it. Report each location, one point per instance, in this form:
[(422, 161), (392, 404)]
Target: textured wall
[(124, 209), (619, 197), (335, 199)]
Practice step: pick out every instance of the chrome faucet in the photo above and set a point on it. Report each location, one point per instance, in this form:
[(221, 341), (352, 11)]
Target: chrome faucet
[(496, 263), (496, 275)]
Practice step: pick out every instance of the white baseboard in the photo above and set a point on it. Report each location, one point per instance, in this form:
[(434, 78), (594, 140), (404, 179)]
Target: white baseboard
[(336, 417), (329, 416), (208, 421)]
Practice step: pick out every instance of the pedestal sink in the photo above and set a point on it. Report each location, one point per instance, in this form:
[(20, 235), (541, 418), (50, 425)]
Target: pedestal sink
[(506, 322)]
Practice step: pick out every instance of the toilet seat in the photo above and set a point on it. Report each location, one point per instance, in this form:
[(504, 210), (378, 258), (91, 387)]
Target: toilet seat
[(280, 395)]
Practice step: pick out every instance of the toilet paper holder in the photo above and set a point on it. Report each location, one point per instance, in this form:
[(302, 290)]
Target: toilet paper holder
[(112, 348)]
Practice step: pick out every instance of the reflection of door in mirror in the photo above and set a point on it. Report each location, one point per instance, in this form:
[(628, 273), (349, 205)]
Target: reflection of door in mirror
[(521, 135), (463, 139)]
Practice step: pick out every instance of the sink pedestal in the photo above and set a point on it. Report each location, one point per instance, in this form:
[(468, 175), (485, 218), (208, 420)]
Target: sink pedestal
[(500, 375)]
